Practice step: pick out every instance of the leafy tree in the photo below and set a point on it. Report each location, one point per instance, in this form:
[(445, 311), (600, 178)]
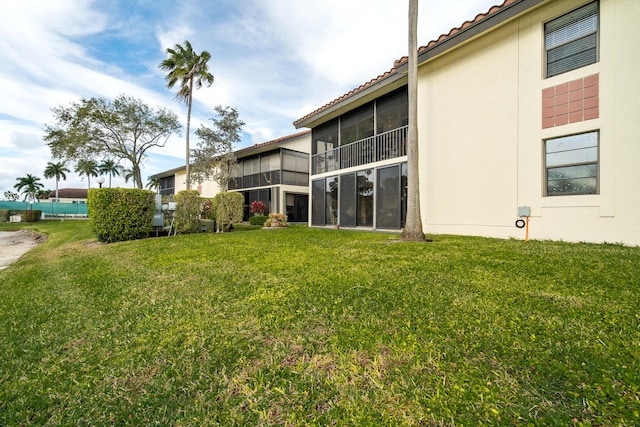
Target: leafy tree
[(123, 128), (28, 185), (57, 171), (11, 196), (153, 183), (413, 225), (190, 70), (111, 168), (87, 168), (214, 158)]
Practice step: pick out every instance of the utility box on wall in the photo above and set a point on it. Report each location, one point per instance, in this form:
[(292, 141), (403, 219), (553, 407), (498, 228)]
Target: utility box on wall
[(524, 211)]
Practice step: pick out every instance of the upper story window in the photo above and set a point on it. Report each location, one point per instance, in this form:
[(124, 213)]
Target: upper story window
[(325, 137), (392, 111), (167, 185), (571, 41), (571, 164), (356, 125)]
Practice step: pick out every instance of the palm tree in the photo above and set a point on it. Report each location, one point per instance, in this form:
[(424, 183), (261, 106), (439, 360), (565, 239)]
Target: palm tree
[(28, 186), (57, 171), (413, 224), (88, 168), (110, 168), (154, 183), (128, 174), (190, 69)]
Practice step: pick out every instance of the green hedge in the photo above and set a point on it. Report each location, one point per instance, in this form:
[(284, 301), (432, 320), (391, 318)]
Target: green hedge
[(258, 220), (118, 214), (31, 215), (4, 215)]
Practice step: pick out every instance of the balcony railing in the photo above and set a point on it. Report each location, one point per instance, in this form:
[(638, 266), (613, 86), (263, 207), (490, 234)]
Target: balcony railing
[(376, 148)]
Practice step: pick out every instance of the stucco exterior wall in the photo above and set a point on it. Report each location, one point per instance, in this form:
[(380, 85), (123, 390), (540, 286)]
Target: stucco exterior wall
[(301, 143), (481, 133), (207, 188), (180, 183)]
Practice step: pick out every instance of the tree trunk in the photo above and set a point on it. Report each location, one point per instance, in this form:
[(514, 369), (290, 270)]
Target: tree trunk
[(188, 154), (412, 231), (137, 177)]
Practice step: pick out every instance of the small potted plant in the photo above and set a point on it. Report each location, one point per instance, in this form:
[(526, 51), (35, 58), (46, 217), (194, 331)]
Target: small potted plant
[(257, 208)]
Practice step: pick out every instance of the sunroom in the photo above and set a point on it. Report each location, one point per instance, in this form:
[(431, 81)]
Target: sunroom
[(358, 165)]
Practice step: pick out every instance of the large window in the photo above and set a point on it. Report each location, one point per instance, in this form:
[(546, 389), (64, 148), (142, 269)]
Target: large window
[(373, 132), (392, 111), (318, 205), (348, 200), (265, 170), (167, 185), (355, 199), (571, 41), (390, 197), (571, 164), (325, 137), (356, 125), (365, 198), (331, 200)]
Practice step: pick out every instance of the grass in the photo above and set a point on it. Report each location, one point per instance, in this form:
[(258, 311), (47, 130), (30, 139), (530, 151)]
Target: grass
[(308, 326)]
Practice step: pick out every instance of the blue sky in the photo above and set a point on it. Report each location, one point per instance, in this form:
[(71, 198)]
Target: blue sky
[(273, 60)]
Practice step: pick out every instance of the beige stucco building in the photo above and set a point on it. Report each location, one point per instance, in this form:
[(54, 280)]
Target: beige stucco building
[(275, 172), (528, 114)]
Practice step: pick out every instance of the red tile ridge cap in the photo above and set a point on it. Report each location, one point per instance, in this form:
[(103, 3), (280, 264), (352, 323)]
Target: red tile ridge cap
[(398, 62)]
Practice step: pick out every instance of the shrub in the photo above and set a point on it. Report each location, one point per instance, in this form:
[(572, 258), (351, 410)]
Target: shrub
[(276, 220), (118, 214), (187, 214), (258, 220), (31, 215), (4, 215), (228, 209)]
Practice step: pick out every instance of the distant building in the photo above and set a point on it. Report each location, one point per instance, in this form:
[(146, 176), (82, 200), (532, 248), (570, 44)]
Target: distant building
[(69, 195), (275, 172)]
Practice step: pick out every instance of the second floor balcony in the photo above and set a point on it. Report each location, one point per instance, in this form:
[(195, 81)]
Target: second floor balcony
[(373, 149)]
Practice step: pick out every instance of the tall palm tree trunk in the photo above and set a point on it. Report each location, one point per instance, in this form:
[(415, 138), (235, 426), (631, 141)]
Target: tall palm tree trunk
[(188, 153), (413, 225)]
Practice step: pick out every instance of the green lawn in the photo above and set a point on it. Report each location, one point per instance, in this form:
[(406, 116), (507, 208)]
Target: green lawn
[(308, 326)]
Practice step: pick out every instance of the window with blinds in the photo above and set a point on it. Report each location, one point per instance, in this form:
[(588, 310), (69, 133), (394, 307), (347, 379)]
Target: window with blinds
[(571, 41)]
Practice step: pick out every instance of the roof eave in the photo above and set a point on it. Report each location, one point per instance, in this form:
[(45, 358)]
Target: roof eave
[(506, 13), (491, 22), (381, 87)]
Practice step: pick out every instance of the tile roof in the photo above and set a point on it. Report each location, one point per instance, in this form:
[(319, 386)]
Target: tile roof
[(402, 61), (274, 141), (242, 150), (69, 193)]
